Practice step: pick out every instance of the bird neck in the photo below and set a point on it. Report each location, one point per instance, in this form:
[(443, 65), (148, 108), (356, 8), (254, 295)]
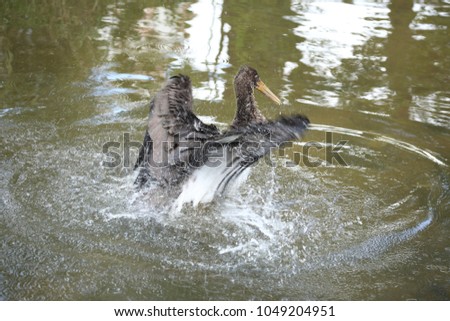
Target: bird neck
[(247, 110)]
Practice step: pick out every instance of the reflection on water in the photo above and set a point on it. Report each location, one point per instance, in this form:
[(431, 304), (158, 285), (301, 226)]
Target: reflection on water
[(371, 75), (208, 48), (376, 137), (433, 109)]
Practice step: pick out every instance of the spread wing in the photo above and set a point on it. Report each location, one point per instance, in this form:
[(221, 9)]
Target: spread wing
[(174, 134), (242, 147)]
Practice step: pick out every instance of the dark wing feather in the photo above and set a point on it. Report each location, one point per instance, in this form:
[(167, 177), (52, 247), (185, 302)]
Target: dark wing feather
[(174, 132), (144, 150), (244, 146)]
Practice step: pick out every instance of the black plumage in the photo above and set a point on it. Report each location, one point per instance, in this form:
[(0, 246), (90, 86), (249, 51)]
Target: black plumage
[(177, 142), (245, 82)]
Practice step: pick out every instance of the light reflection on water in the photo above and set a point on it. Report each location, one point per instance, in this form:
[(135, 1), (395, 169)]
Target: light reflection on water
[(368, 73), (375, 137)]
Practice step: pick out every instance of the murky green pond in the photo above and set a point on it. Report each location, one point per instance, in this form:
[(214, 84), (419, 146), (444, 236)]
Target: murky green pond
[(372, 76)]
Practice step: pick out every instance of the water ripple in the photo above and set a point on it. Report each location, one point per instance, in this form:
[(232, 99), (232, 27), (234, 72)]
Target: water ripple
[(430, 155)]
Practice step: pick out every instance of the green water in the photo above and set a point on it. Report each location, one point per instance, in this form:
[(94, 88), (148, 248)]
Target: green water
[(372, 75)]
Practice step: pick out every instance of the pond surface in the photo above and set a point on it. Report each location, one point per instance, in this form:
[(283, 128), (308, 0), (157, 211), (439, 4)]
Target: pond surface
[(372, 223)]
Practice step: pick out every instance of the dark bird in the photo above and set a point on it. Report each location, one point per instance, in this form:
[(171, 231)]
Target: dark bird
[(177, 144), (247, 112)]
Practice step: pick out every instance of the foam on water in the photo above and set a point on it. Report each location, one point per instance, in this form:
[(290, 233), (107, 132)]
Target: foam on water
[(274, 222)]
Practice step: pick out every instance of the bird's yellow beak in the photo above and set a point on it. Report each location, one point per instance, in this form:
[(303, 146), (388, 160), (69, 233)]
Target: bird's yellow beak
[(266, 91)]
